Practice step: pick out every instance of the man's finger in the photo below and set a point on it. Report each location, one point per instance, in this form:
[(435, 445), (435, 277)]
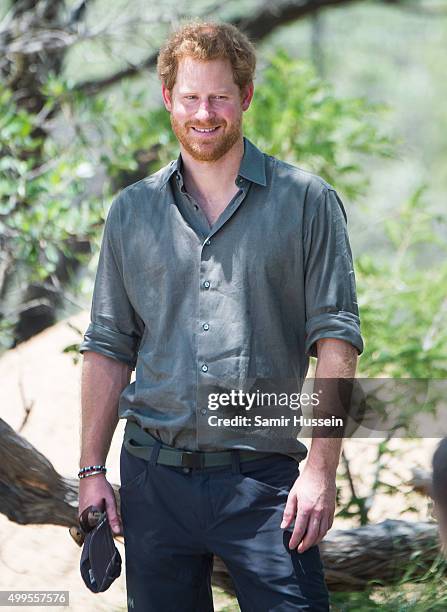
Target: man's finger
[(299, 530), (311, 535), (289, 510), (112, 515), (324, 528)]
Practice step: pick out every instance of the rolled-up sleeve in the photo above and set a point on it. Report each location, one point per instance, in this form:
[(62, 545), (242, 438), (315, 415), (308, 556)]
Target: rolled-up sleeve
[(329, 280), (115, 329)]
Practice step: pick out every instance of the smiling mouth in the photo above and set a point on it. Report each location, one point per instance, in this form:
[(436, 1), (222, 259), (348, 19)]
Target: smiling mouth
[(206, 130)]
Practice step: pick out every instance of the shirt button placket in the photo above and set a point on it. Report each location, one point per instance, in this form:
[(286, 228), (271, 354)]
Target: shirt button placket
[(203, 340)]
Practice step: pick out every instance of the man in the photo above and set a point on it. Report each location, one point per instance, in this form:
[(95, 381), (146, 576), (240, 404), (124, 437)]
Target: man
[(225, 265)]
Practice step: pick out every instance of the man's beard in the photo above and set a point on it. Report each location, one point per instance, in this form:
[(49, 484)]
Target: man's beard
[(212, 150)]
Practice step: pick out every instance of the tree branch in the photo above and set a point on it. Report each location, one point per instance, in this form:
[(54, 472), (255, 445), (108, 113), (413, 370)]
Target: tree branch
[(256, 27)]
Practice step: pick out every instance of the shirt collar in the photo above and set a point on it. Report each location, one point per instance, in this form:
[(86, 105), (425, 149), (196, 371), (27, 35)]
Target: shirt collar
[(252, 165)]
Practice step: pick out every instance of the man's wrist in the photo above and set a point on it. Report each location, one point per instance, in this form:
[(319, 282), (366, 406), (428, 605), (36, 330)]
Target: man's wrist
[(92, 459), (329, 469), (324, 456)]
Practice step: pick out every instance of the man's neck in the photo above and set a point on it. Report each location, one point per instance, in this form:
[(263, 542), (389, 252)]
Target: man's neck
[(211, 181)]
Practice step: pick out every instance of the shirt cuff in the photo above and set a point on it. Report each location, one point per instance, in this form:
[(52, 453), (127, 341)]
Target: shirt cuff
[(342, 325), (110, 343)]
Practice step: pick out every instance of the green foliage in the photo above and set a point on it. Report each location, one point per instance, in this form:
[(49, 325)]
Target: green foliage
[(297, 117), (123, 129), (41, 206), (132, 131), (402, 300), (403, 308), (44, 205)]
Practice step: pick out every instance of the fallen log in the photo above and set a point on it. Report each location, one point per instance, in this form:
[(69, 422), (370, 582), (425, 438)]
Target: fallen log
[(381, 552), (32, 492)]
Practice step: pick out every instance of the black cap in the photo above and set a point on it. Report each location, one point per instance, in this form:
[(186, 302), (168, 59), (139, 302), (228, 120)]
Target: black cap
[(100, 559)]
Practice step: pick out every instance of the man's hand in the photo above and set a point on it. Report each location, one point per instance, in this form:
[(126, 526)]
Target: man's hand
[(312, 500), (92, 490)]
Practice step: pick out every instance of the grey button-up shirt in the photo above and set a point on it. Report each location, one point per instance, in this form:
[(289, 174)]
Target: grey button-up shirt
[(189, 305)]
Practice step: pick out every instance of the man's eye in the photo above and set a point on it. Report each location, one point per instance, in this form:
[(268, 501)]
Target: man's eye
[(220, 97)]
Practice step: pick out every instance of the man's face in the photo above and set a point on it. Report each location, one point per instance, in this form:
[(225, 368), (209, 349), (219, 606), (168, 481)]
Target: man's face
[(205, 96)]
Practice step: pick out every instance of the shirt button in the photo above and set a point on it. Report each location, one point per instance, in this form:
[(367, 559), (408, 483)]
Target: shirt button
[(208, 242), (206, 326), (203, 411), (206, 284), (204, 368), (196, 207)]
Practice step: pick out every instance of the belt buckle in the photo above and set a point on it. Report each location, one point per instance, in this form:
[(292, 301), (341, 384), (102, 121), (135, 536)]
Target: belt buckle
[(192, 459)]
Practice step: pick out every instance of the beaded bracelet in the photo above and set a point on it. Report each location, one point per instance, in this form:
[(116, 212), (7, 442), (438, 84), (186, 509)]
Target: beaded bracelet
[(92, 473), (90, 468)]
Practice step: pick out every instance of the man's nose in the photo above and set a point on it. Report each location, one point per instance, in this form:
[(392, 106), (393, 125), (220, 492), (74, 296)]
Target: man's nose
[(204, 111)]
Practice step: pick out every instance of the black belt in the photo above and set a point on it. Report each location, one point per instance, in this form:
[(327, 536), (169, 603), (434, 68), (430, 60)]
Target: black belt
[(140, 443)]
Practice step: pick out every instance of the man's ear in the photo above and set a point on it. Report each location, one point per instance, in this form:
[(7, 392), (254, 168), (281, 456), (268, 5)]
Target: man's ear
[(247, 96), (167, 98)]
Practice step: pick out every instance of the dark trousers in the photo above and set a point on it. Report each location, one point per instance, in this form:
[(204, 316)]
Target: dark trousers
[(176, 519)]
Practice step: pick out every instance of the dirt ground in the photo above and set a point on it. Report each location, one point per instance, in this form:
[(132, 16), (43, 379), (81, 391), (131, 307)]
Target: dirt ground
[(43, 557)]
